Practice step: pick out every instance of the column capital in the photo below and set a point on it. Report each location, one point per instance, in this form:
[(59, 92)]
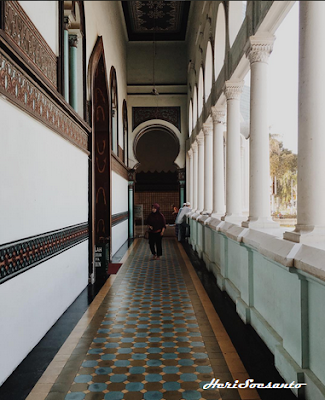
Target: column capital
[(190, 153), (260, 48), (233, 89), (207, 129), (200, 139), (67, 23), (181, 174), (131, 175), (218, 114), (194, 147), (73, 40)]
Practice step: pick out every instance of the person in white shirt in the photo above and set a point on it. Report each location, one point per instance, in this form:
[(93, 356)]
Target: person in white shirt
[(181, 221)]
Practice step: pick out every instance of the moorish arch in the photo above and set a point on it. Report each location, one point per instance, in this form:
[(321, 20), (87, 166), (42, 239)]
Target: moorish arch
[(100, 159), (235, 19), (156, 147), (194, 106), (200, 100), (220, 41), (208, 77)]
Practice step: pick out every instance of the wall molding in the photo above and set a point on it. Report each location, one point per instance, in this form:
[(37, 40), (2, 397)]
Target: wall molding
[(21, 90), (24, 34), (21, 255), (119, 218)]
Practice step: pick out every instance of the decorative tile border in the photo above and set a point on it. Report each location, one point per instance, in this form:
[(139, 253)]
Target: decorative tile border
[(25, 35), (19, 89), (120, 217), (17, 257)]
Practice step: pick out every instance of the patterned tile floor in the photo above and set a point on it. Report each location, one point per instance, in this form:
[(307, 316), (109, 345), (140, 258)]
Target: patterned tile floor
[(150, 338)]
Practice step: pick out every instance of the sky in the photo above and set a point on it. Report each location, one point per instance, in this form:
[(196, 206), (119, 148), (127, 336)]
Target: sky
[(283, 81)]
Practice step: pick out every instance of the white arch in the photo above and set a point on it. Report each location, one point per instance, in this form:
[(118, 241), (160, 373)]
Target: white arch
[(190, 118), (208, 72), (194, 106), (200, 97), (220, 41), (154, 123), (235, 19)]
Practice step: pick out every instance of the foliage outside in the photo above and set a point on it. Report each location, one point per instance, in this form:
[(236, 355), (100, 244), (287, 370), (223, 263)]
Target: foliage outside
[(283, 169)]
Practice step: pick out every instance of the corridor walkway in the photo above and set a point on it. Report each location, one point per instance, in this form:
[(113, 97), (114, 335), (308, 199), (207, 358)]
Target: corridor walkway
[(150, 334)]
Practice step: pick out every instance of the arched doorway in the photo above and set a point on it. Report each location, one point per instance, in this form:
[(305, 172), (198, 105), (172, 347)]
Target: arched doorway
[(156, 148), (100, 211)]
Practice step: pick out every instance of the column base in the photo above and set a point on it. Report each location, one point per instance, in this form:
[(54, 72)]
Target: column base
[(202, 218), (195, 215), (260, 223), (233, 219), (214, 223), (307, 234)]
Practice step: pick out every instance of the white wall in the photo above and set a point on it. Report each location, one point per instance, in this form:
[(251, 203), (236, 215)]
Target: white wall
[(119, 235), (119, 204), (44, 178), (33, 301), (45, 16), (119, 194)]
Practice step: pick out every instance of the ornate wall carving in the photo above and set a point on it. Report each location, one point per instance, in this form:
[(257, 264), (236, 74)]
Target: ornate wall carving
[(19, 256), (25, 35), (18, 88), (169, 114)]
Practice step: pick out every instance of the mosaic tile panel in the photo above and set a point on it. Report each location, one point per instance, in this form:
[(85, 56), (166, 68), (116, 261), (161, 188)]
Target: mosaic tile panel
[(149, 344)]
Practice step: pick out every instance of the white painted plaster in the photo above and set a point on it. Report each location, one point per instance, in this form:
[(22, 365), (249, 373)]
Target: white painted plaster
[(119, 235), (119, 194), (44, 178), (45, 16), (35, 300)]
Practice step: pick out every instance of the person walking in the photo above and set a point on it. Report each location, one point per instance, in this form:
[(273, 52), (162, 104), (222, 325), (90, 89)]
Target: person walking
[(157, 224)]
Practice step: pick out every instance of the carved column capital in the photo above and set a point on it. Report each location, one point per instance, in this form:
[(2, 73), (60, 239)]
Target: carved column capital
[(207, 129), (190, 153), (181, 174), (194, 147), (67, 23), (131, 175), (73, 41), (200, 139), (233, 89), (260, 48), (218, 114)]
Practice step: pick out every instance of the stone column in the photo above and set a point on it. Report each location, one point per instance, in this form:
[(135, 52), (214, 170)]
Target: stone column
[(259, 169), (73, 80), (200, 142), (195, 176), (310, 226), (131, 178), (218, 115), (187, 177), (233, 90), (181, 180), (191, 178), (208, 165), (66, 57)]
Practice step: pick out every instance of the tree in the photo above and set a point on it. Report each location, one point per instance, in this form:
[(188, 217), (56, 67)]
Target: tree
[(283, 169)]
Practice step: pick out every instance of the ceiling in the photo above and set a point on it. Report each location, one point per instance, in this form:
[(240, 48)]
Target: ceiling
[(156, 20)]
